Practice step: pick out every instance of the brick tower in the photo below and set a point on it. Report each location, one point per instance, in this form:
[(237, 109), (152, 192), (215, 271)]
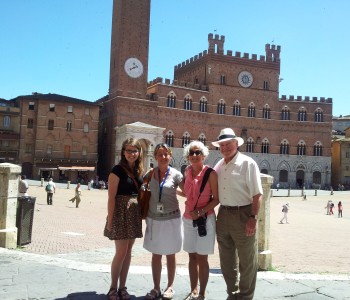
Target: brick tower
[(128, 72)]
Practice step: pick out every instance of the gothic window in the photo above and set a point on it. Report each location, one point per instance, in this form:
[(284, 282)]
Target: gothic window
[(52, 107), (317, 149), (69, 125), (223, 79), (188, 102), (266, 112), (284, 147), (86, 127), (236, 111), (203, 104), (302, 115), (7, 121), (50, 125), (266, 85), (250, 145), (301, 148), (318, 115), (221, 107), (202, 138), (251, 110), (169, 138), (171, 101), (285, 114), (265, 146), (186, 139), (30, 123)]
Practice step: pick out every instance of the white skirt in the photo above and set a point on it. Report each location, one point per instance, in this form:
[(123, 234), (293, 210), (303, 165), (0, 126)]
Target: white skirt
[(193, 243), (163, 237)]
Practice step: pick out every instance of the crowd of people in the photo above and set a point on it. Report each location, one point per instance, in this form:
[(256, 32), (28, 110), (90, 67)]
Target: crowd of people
[(234, 182)]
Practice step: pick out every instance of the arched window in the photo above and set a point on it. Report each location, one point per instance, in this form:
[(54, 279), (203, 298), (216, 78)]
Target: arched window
[(203, 104), (251, 110), (221, 107), (318, 115), (202, 138), (265, 146), (301, 148), (169, 138), (285, 114), (318, 149), (236, 111), (266, 112), (171, 102), (7, 121), (186, 139), (223, 79), (284, 147), (302, 115), (250, 145), (188, 102)]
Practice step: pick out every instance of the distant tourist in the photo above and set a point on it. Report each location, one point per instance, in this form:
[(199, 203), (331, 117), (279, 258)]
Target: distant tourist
[(340, 210), (77, 197), (331, 208), (50, 190), (285, 210), (23, 186), (328, 207)]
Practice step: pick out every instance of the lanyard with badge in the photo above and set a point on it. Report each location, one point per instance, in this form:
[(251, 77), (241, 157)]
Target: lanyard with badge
[(160, 205)]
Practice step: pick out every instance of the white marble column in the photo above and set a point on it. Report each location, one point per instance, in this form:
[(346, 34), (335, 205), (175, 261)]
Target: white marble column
[(264, 252), (9, 175)]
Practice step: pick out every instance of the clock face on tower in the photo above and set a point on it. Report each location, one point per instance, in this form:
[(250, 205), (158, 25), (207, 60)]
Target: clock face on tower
[(245, 79), (133, 67)]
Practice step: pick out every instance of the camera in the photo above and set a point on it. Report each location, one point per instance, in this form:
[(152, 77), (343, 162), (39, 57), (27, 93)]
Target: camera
[(200, 224)]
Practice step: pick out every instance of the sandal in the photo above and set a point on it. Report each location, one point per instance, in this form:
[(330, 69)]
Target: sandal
[(153, 294), (169, 293), (123, 294), (112, 294)]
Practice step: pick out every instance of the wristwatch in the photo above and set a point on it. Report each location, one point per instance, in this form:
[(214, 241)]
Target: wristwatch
[(254, 217)]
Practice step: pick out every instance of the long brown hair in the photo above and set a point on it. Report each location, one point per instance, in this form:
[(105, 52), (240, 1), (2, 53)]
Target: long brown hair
[(138, 169)]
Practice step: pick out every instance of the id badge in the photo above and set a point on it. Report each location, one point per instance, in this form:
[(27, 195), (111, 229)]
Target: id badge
[(160, 207)]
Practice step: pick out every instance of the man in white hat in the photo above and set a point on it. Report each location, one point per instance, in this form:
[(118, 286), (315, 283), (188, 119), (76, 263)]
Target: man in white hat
[(240, 195)]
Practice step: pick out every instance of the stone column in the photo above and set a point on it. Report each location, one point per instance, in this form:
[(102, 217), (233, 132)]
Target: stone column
[(9, 175), (264, 252)]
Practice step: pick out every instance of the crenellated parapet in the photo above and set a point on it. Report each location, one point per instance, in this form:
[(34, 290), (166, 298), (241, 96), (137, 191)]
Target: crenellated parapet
[(216, 46), (306, 99), (177, 83), (272, 53)]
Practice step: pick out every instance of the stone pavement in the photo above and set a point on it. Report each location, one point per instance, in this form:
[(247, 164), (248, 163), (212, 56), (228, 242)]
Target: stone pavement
[(69, 258)]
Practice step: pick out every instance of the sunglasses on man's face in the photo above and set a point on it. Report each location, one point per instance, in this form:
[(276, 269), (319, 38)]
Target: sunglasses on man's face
[(131, 151), (197, 152)]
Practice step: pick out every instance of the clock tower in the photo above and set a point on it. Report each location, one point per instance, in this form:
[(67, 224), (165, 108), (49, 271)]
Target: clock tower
[(129, 48)]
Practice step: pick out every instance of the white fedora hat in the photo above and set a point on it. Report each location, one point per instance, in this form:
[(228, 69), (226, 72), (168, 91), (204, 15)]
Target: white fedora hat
[(228, 134)]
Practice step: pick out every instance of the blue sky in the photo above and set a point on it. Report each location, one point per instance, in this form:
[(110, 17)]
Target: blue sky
[(63, 46)]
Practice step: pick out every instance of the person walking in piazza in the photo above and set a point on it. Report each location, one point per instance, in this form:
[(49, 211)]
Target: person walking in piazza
[(340, 209), (50, 190), (23, 186), (285, 210), (331, 206), (163, 234), (199, 239), (240, 195), (328, 207), (77, 197), (124, 222)]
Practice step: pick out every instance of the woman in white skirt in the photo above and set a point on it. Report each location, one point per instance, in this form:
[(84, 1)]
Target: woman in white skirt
[(199, 221), (163, 232)]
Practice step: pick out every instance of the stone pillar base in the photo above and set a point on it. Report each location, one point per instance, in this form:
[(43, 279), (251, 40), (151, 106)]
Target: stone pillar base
[(8, 238), (265, 260)]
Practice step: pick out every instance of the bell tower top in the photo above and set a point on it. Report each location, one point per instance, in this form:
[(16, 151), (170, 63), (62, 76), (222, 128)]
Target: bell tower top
[(129, 48)]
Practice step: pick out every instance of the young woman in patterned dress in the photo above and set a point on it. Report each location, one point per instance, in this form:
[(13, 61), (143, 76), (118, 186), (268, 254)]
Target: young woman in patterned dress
[(124, 222)]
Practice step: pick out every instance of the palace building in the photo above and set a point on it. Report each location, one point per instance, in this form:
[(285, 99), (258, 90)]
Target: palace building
[(289, 137)]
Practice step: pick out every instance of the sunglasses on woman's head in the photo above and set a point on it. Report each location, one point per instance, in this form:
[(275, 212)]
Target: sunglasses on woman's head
[(197, 152), (131, 151)]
